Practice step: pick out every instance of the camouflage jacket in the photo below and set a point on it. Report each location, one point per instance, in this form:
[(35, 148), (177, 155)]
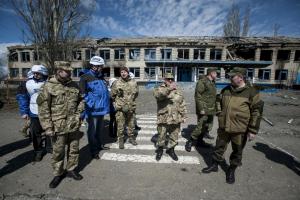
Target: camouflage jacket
[(171, 107), (59, 107), (123, 94), (205, 96), (241, 110)]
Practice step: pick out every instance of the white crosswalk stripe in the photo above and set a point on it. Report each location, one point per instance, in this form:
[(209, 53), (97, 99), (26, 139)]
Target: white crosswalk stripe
[(148, 129)]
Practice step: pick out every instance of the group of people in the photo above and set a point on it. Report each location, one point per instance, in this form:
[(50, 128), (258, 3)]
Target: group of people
[(57, 106)]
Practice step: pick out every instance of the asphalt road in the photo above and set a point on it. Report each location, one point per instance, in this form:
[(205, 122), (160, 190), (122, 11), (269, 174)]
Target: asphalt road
[(269, 170)]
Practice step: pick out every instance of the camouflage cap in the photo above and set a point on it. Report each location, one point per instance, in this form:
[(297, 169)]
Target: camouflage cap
[(212, 69), (169, 76), (237, 70), (63, 65)]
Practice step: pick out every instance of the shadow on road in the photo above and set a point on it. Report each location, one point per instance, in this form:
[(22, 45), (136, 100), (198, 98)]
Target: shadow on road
[(17, 163), (278, 156), (8, 148)]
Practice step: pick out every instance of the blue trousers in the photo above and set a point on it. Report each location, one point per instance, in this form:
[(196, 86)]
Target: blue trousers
[(95, 128)]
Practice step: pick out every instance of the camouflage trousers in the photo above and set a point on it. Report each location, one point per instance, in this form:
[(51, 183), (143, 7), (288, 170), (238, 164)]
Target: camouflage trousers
[(204, 125), (237, 144), (125, 119), (172, 130), (59, 142)]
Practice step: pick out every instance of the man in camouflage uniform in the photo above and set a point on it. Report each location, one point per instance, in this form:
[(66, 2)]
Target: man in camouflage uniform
[(60, 107), (124, 93), (171, 112), (241, 110), (205, 99)]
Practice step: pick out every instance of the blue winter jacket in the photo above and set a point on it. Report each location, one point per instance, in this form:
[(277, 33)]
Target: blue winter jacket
[(26, 96), (96, 95)]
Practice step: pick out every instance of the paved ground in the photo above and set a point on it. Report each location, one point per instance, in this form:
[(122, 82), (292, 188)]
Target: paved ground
[(270, 167)]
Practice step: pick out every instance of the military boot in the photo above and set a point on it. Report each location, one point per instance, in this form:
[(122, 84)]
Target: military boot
[(189, 144), (132, 141), (230, 176), (203, 144), (75, 175), (172, 153), (212, 168), (38, 156), (159, 153), (56, 181), (121, 143)]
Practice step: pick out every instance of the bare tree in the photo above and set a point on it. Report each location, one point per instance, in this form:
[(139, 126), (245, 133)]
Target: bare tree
[(276, 28), (53, 26), (232, 24), (246, 21)]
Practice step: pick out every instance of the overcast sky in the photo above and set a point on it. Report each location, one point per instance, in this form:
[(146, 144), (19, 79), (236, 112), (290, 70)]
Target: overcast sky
[(123, 18)]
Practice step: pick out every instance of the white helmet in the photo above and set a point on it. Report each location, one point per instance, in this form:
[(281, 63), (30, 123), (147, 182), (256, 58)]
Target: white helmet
[(131, 75), (97, 60), (39, 69), (111, 81), (29, 74)]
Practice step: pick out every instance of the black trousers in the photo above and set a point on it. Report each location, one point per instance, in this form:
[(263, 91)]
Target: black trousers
[(36, 131)]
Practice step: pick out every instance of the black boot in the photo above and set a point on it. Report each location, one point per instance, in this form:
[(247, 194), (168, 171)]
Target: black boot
[(75, 175), (189, 144), (132, 141), (138, 128), (172, 154), (212, 168), (159, 153), (230, 176), (203, 144), (208, 136), (56, 181), (38, 156)]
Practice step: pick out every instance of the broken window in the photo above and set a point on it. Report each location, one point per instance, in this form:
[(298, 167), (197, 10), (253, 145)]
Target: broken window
[(199, 54), (25, 56), (117, 71), (183, 54), (165, 70), (89, 53), (14, 72), (76, 72), (106, 72), (134, 54), (77, 55), (25, 71), (250, 73), (120, 54), (281, 74), (245, 53), (135, 71), (297, 55), (105, 54), (200, 71), (283, 55), (166, 54), (13, 56), (150, 54), (264, 74), (150, 72), (266, 55), (215, 54)]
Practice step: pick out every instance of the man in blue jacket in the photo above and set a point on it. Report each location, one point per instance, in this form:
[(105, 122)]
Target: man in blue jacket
[(96, 95), (26, 97)]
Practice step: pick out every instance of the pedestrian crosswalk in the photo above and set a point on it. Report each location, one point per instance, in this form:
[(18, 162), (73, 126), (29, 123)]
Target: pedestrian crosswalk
[(144, 152)]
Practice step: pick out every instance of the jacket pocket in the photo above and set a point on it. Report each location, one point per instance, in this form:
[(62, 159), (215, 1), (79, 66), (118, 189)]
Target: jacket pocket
[(221, 120)]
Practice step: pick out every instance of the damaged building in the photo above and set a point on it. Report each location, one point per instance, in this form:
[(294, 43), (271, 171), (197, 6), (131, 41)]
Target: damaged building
[(269, 60)]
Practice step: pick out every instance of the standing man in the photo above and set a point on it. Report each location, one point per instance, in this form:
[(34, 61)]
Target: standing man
[(96, 95), (171, 112), (205, 99), (124, 93), (60, 106), (241, 111), (26, 98)]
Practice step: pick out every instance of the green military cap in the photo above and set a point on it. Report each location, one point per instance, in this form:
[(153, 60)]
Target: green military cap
[(63, 65), (237, 70), (169, 76), (212, 69)]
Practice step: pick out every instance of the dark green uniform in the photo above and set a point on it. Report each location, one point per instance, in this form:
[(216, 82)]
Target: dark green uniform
[(241, 111), (205, 99)]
